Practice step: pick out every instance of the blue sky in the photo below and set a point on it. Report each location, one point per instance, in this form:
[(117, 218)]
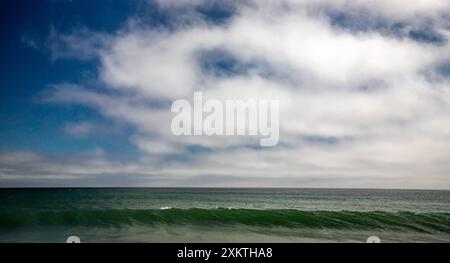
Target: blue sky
[(28, 69), (27, 124), (86, 88)]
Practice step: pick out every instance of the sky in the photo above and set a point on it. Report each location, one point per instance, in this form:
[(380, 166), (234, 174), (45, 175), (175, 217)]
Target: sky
[(86, 89)]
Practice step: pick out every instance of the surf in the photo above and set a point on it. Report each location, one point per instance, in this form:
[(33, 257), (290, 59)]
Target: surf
[(347, 220)]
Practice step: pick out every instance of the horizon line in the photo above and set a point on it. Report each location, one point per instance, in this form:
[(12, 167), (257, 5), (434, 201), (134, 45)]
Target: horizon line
[(216, 187)]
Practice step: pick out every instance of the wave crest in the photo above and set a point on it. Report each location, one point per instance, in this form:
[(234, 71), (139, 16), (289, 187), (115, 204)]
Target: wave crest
[(420, 222)]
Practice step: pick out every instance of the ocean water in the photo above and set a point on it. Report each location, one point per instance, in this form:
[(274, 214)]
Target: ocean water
[(223, 215)]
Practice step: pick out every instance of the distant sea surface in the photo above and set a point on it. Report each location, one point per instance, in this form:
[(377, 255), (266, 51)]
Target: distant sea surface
[(223, 215)]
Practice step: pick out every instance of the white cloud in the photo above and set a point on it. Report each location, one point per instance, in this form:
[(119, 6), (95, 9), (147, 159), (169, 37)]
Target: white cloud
[(79, 129), (80, 44), (356, 107)]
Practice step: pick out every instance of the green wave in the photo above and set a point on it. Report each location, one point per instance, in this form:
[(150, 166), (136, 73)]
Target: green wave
[(420, 222)]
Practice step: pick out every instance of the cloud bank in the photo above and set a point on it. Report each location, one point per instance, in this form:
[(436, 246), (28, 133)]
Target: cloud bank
[(362, 85)]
